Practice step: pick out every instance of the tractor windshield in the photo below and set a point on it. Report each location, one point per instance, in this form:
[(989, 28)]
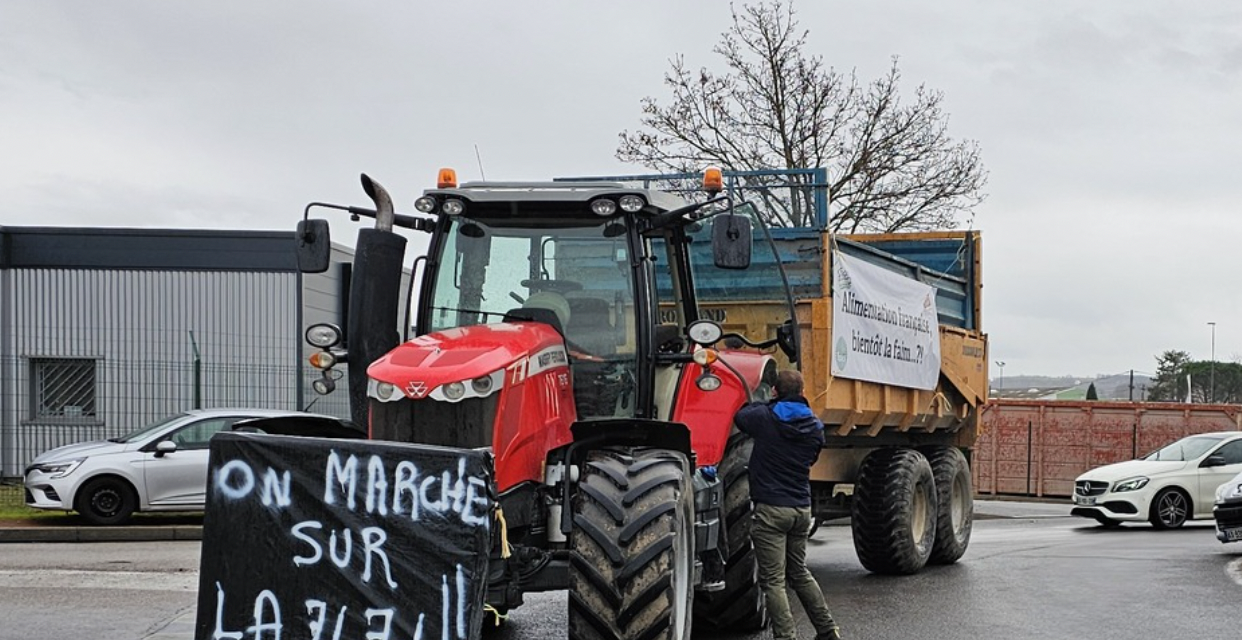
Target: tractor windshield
[(578, 269)]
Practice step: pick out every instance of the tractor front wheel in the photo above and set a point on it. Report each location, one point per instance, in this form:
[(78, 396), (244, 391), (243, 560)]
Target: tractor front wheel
[(632, 567), (740, 605)]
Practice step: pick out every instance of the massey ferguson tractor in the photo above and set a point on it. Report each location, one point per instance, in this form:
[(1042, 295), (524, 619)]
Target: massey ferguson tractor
[(598, 338)]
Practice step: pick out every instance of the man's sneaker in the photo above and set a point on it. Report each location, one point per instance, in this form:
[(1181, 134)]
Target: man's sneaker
[(831, 634)]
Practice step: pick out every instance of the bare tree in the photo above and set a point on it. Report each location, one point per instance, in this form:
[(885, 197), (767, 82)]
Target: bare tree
[(891, 165)]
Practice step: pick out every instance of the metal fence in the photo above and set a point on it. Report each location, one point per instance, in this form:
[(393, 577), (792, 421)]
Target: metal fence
[(54, 403)]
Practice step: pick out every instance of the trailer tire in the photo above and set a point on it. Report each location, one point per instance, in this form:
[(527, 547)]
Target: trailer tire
[(955, 503), (740, 605), (894, 511), (631, 569)]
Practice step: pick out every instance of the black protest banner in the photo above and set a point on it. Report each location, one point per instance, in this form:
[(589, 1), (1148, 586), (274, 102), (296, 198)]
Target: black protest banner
[(323, 539)]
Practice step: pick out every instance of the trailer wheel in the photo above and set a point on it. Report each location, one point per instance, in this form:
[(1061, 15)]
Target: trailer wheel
[(894, 511), (632, 568), (955, 502), (740, 605)]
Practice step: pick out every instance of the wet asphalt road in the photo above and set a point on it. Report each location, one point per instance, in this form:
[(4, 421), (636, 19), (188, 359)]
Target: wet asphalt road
[(1021, 579), (1030, 575)]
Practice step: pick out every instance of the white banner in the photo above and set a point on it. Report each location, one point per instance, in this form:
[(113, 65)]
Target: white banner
[(884, 326)]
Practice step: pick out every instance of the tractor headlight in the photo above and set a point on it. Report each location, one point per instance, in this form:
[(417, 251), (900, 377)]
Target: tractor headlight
[(480, 387), (708, 382), (323, 335), (1131, 484), (454, 391), (631, 203), (383, 391), (603, 207), (425, 204), (453, 207)]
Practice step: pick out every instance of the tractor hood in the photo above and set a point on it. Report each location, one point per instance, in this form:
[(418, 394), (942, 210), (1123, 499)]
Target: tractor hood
[(476, 356)]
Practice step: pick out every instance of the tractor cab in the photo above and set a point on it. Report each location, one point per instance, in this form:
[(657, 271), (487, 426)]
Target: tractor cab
[(611, 270)]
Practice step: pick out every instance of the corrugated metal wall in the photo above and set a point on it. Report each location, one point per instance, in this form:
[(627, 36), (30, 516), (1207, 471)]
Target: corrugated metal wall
[(137, 325)]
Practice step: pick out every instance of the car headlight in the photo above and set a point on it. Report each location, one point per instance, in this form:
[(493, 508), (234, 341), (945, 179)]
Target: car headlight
[(1228, 491), (1131, 484), (60, 468)]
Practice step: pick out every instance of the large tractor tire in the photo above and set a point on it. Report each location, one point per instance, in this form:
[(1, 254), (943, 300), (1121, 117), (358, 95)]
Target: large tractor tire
[(955, 503), (632, 569), (894, 511), (740, 605)]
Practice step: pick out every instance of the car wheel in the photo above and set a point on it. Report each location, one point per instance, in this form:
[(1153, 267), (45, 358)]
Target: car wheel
[(1169, 509), (106, 501)]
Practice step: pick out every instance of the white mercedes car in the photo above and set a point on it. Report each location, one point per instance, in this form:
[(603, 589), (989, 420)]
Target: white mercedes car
[(1166, 487), (160, 467)]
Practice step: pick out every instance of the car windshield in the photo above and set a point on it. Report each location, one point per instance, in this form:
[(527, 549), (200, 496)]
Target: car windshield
[(134, 436), (1185, 449)]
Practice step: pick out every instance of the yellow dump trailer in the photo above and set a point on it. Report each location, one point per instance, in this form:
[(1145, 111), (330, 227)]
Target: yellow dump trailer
[(885, 441), (890, 343)]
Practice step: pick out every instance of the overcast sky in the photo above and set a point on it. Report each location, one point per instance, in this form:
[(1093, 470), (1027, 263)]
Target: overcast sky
[(1111, 130)]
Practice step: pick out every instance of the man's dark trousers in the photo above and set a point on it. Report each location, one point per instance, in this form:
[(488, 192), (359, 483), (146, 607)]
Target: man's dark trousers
[(779, 535)]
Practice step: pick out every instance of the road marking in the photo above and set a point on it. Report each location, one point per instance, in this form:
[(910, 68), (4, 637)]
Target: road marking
[(75, 579), (1234, 571)]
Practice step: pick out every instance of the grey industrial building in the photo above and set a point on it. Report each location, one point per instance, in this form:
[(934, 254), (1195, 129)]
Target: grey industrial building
[(105, 330)]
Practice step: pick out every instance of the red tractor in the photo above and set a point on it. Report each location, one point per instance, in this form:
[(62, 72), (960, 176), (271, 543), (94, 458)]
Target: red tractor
[(559, 325)]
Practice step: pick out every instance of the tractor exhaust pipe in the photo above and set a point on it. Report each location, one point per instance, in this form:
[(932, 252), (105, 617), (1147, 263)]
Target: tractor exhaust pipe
[(374, 298)]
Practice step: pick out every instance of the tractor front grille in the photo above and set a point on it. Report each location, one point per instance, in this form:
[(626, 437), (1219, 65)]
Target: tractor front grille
[(467, 424)]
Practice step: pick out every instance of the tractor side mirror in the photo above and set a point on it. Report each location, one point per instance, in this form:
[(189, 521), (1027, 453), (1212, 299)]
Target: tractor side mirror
[(314, 250), (786, 338), (731, 241)]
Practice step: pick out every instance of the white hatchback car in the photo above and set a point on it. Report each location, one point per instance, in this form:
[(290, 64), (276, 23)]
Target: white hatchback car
[(161, 467), (1166, 487)]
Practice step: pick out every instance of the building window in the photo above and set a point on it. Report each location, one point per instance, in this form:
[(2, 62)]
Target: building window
[(62, 389)]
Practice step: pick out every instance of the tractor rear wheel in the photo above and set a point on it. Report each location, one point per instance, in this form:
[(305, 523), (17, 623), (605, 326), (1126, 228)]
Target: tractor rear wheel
[(632, 568), (894, 511), (955, 503), (740, 605)]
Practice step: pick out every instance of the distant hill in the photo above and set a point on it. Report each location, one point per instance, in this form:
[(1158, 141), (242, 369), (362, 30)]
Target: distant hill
[(1113, 387)]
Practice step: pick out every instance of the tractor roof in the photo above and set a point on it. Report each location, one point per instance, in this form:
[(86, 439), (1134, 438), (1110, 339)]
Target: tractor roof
[(555, 192)]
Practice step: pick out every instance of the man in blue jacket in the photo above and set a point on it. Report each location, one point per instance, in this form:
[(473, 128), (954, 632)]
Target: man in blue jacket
[(788, 438)]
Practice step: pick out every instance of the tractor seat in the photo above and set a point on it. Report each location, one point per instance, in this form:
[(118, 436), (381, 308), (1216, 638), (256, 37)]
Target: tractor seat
[(590, 326)]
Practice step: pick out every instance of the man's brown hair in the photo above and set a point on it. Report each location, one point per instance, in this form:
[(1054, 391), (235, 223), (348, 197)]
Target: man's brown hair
[(788, 383)]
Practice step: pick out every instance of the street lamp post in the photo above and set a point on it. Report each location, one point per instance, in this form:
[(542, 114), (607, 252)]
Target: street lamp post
[(1212, 367), (1000, 386)]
